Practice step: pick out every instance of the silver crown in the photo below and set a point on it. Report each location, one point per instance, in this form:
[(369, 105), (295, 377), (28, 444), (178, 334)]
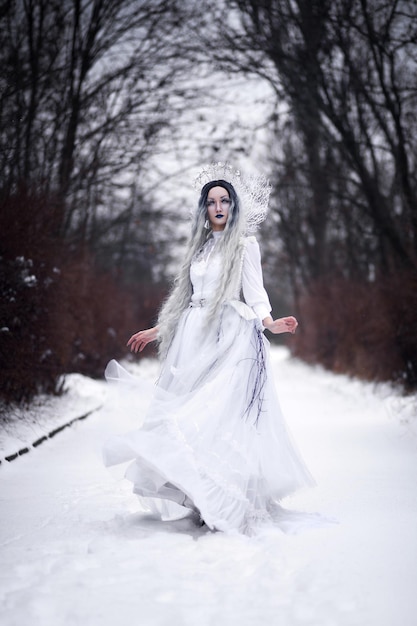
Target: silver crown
[(253, 190)]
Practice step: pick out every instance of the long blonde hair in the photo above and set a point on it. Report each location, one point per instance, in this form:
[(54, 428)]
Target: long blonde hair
[(230, 246)]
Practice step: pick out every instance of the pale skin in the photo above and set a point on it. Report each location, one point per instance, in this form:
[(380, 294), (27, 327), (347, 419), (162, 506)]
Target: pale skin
[(218, 202)]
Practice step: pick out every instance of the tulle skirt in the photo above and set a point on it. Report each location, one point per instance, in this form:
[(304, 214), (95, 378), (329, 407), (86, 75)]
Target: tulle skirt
[(213, 440)]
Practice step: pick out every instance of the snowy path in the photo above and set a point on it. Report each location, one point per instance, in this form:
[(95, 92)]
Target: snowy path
[(76, 550)]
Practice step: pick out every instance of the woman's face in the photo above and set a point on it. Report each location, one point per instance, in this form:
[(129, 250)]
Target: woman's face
[(218, 205)]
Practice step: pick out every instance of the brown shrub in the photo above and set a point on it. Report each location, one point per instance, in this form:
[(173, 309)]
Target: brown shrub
[(363, 329), (59, 312), (96, 314)]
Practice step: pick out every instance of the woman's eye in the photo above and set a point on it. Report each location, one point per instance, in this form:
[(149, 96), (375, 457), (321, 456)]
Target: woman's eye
[(223, 201)]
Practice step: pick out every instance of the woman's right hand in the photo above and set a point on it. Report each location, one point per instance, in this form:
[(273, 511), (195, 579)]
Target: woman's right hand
[(141, 339)]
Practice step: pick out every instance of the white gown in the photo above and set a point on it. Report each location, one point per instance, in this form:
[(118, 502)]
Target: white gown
[(213, 440)]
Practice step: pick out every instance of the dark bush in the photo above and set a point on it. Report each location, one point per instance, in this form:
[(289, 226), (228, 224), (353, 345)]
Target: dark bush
[(363, 329), (28, 254), (59, 312)]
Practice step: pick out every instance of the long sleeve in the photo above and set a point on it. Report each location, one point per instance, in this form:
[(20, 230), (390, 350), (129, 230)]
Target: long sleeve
[(252, 280)]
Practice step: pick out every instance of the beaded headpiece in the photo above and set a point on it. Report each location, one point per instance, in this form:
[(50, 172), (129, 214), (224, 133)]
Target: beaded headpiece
[(253, 190)]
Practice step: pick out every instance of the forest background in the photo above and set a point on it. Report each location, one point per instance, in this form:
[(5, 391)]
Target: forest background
[(107, 107)]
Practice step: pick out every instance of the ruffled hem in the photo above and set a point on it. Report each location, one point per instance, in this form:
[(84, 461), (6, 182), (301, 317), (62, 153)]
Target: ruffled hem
[(208, 445)]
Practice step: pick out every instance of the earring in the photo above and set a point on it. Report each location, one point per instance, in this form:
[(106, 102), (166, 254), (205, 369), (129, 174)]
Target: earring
[(206, 224)]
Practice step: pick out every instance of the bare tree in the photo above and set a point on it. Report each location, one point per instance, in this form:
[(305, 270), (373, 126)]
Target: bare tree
[(88, 88), (343, 158), (347, 72)]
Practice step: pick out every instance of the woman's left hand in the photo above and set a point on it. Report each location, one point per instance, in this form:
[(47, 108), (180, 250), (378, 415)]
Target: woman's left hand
[(281, 325)]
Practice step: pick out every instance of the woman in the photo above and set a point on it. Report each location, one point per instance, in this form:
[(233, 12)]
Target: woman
[(213, 442)]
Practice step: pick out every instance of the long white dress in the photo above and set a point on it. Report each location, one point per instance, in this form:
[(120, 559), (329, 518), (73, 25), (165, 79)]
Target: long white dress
[(214, 440)]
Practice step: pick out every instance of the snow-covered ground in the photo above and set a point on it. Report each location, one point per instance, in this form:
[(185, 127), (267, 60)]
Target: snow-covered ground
[(77, 550)]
